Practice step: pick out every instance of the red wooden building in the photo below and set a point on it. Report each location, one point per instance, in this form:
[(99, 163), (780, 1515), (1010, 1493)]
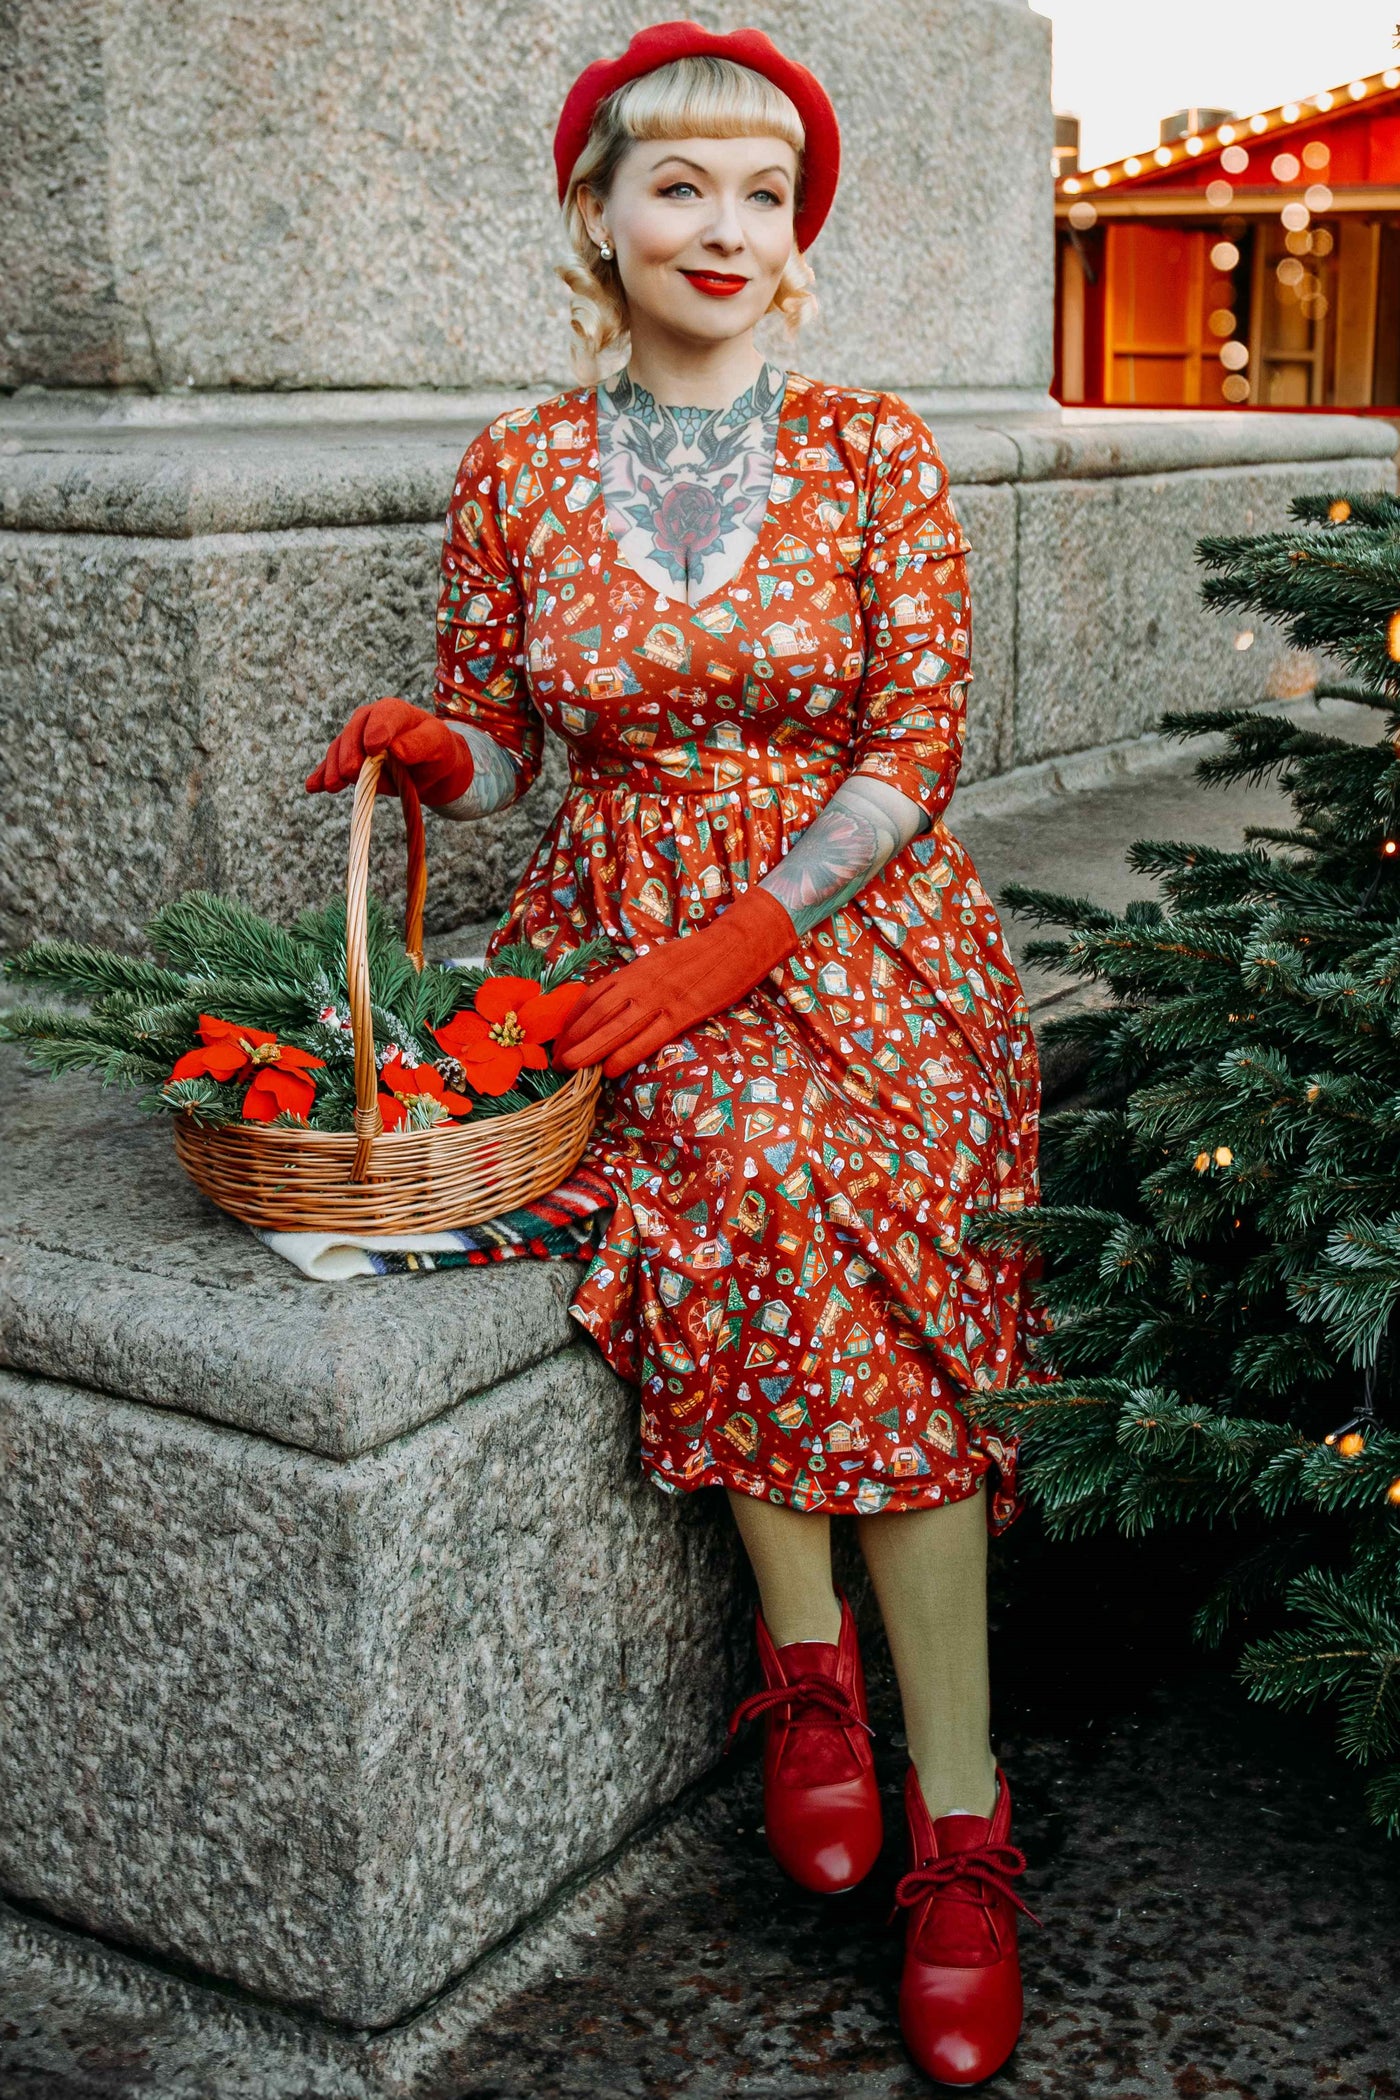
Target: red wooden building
[(1256, 261)]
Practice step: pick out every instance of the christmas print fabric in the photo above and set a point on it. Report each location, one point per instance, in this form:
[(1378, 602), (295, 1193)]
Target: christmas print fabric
[(787, 1271)]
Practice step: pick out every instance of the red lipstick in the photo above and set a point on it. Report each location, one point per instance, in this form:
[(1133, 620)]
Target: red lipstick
[(716, 284)]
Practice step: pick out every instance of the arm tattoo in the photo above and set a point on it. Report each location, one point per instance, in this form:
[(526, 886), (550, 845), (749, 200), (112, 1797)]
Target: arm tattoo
[(495, 780), (864, 823), (686, 489)]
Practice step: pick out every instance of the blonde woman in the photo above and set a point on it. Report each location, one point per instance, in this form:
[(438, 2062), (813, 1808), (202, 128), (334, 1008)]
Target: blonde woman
[(740, 597)]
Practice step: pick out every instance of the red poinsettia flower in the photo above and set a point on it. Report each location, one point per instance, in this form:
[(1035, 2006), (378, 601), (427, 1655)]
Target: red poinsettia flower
[(279, 1073), (512, 1021), (400, 1085)]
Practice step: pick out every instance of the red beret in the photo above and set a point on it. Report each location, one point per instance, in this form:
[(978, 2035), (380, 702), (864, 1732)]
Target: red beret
[(665, 41)]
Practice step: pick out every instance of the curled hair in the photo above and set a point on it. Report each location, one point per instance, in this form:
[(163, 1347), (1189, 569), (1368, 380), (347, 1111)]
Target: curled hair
[(692, 98)]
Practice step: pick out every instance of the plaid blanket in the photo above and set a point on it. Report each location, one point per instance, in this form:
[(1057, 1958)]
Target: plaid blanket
[(566, 1223)]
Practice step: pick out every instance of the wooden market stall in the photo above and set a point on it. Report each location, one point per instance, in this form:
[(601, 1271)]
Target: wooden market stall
[(1244, 261)]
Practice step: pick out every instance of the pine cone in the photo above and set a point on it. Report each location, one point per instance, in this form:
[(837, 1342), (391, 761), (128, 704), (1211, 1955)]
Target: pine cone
[(450, 1073)]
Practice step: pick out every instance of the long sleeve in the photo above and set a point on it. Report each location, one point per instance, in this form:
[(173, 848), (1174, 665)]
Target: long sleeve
[(481, 682), (912, 707)]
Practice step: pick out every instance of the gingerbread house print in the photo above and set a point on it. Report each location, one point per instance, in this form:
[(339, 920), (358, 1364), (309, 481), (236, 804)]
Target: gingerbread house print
[(790, 549), (568, 437), (911, 609), (790, 637), (927, 537), (567, 562)]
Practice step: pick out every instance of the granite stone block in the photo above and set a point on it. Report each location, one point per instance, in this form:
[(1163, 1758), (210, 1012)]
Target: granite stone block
[(162, 702), (988, 517), (358, 195), (1110, 630), (330, 1730), (117, 1274)]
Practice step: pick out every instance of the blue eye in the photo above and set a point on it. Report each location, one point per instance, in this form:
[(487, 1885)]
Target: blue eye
[(673, 189), (766, 197)]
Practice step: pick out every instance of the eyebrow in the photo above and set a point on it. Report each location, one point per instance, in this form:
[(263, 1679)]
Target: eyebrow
[(776, 167)]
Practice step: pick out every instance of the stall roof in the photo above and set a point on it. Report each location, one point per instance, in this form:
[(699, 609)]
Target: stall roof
[(1251, 162)]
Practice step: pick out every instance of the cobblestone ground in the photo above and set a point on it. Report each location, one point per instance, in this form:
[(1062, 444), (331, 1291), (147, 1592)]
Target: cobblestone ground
[(1219, 1918)]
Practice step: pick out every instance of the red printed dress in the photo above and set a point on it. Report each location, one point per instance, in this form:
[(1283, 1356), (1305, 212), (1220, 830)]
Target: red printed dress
[(787, 1273)]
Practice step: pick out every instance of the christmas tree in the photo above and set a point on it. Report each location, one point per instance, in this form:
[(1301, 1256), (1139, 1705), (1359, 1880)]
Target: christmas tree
[(1221, 1226)]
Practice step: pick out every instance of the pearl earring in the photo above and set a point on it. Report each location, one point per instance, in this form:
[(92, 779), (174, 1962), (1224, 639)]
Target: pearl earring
[(604, 252)]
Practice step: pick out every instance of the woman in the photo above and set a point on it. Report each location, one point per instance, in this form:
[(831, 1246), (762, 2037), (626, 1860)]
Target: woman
[(741, 599)]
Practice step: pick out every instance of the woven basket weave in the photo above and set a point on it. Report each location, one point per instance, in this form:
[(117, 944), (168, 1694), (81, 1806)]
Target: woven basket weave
[(289, 1180)]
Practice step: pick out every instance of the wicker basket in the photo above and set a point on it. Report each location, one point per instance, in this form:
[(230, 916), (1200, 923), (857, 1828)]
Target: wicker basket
[(375, 1180)]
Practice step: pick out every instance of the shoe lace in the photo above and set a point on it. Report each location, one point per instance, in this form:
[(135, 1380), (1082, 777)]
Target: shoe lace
[(808, 1698), (975, 1876)]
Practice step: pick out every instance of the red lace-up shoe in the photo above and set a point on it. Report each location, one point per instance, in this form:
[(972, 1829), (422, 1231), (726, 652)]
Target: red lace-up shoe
[(960, 1998), (821, 1806)]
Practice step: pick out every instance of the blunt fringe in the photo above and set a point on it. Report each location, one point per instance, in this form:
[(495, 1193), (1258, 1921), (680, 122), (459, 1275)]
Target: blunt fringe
[(692, 98)]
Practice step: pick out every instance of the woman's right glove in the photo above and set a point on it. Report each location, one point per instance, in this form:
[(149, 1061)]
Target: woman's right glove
[(437, 760)]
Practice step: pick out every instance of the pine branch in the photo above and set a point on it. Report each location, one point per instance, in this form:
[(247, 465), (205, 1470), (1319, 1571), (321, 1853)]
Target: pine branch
[(214, 936), (77, 970)]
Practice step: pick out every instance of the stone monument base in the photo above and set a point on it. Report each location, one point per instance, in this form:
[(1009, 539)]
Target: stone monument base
[(345, 1630)]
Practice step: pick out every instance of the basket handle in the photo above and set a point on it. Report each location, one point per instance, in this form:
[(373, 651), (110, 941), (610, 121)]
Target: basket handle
[(369, 1124)]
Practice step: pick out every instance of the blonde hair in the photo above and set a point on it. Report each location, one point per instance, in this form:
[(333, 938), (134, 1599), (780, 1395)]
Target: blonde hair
[(692, 98)]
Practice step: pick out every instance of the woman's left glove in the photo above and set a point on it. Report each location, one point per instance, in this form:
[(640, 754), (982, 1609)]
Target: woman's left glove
[(628, 1015)]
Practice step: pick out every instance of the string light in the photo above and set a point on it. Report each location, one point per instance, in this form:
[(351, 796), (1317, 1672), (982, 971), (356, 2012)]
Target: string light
[(1392, 636), (1350, 1440), (1339, 512), (1392, 1493), (1233, 158)]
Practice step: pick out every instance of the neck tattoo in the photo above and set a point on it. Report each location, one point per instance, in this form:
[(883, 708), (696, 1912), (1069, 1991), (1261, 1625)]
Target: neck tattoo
[(686, 489)]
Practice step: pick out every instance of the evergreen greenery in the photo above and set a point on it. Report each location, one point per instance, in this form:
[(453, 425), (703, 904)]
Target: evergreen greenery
[(131, 1017), (1221, 1225)]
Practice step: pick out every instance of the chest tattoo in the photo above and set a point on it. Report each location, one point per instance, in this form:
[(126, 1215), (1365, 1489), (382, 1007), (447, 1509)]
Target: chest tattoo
[(686, 489)]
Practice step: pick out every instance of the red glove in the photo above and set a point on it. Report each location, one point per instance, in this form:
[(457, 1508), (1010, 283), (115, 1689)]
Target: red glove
[(436, 759), (629, 1015)]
